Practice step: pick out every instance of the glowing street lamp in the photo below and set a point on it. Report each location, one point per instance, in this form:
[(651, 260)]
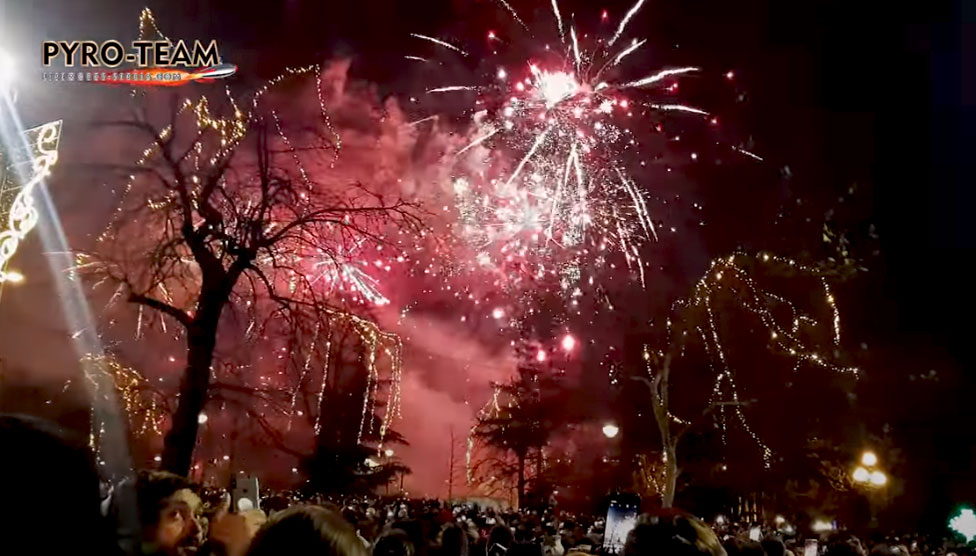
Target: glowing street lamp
[(869, 459), (868, 473), (610, 430)]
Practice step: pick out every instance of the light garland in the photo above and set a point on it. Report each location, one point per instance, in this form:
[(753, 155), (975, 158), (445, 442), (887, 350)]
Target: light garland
[(20, 216), (144, 412), (727, 274)]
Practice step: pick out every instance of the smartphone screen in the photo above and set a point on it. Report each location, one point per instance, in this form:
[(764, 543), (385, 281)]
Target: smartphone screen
[(621, 518), (810, 549), (755, 534), (245, 494)]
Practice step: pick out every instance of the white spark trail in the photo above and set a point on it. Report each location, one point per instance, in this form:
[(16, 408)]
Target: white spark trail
[(650, 79), (514, 14), (628, 50), (535, 146), (749, 154), (559, 190), (679, 108), (440, 42), (559, 18), (422, 120), (576, 53), (640, 266), (639, 204), (625, 21), (416, 58), (452, 89), (477, 141)]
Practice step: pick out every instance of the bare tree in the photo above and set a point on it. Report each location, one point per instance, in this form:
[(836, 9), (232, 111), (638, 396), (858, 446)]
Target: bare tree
[(220, 226)]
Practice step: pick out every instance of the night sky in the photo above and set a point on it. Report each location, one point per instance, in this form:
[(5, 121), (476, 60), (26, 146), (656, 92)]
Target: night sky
[(874, 94)]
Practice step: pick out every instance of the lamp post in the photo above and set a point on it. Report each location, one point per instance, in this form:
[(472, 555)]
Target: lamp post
[(869, 472), (870, 476)]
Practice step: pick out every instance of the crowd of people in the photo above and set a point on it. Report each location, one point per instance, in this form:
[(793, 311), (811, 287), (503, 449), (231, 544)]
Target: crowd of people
[(55, 506)]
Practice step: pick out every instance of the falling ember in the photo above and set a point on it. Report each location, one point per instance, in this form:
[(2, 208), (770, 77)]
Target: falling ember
[(498, 313), (569, 342), (540, 356)]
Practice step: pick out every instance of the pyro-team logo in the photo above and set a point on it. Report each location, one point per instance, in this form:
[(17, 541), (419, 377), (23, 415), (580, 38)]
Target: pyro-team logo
[(153, 63)]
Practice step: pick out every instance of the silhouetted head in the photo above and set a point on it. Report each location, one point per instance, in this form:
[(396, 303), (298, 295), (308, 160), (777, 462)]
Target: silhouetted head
[(394, 542), (51, 491), (673, 534), (454, 541), (306, 531), (773, 546)]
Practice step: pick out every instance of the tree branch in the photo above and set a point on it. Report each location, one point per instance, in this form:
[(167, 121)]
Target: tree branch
[(181, 316)]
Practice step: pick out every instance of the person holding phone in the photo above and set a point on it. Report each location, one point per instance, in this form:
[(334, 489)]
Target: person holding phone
[(674, 534)]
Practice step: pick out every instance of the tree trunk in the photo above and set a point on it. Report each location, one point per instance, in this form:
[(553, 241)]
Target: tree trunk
[(670, 475), (538, 469), (669, 440), (194, 386), (521, 481)]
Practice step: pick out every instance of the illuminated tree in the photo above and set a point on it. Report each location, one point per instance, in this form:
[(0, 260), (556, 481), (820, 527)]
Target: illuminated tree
[(226, 227), (350, 454), (728, 301)]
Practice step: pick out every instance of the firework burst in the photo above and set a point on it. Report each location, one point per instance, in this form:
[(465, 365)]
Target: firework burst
[(542, 188)]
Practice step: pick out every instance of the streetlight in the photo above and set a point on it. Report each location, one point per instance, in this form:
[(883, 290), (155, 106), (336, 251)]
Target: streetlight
[(869, 459), (610, 430), (868, 473)]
